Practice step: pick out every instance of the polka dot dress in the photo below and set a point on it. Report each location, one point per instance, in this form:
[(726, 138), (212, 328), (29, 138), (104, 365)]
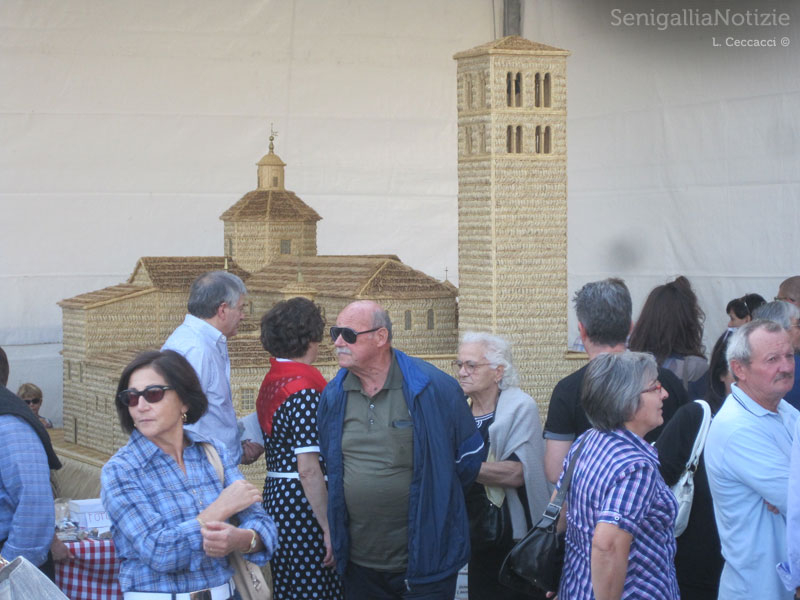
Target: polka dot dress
[(297, 570)]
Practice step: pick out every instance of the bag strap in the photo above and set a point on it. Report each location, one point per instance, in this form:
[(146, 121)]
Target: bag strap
[(213, 457), (554, 506), (700, 440)]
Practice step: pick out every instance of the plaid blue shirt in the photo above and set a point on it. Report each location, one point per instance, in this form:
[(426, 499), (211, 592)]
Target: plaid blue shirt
[(27, 516), (616, 480), (153, 507)]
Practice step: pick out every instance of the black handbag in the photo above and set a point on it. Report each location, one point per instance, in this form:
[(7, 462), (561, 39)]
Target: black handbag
[(489, 524), (536, 561)]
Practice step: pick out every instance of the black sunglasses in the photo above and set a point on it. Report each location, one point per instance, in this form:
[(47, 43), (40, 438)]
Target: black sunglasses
[(33, 401), (349, 335), (152, 393)]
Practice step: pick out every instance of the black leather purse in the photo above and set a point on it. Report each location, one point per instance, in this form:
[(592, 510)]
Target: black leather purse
[(536, 561), (489, 525)]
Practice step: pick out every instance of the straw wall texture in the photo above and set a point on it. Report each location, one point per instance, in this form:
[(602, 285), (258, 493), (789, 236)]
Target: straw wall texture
[(513, 206)]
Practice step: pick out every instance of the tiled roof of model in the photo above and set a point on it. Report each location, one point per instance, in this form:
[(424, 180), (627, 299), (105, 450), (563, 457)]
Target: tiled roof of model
[(109, 294), (511, 43), (178, 272), (276, 205), (350, 276)]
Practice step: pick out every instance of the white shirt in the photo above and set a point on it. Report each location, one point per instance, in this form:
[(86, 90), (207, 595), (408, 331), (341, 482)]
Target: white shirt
[(206, 349)]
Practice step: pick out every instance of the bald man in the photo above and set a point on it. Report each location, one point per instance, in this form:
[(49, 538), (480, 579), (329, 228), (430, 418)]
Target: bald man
[(789, 290), (400, 447)]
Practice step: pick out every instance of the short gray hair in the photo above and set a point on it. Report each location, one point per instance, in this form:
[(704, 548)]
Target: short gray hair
[(604, 309), (211, 289), (497, 354), (380, 318), (739, 348), (779, 311), (612, 387)]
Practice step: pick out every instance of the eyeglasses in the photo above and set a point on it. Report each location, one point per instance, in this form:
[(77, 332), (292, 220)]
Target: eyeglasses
[(784, 299), (656, 387), (33, 401), (152, 393), (348, 334), (468, 365)]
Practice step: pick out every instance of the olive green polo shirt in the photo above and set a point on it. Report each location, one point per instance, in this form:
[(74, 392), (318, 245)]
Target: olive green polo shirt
[(377, 447)]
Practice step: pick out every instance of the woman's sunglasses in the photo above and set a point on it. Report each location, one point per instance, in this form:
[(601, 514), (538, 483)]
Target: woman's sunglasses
[(152, 393)]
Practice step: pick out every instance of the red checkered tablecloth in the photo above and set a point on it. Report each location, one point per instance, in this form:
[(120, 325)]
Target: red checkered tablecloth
[(92, 575)]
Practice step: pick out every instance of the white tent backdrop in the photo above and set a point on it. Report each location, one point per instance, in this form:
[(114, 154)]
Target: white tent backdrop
[(128, 128)]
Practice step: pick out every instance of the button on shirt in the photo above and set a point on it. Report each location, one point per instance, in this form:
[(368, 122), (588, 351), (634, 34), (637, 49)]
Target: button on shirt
[(27, 515), (747, 460), (206, 349), (153, 505)]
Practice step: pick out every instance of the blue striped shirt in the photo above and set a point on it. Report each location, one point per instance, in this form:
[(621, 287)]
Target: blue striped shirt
[(616, 481), (153, 507), (27, 515)]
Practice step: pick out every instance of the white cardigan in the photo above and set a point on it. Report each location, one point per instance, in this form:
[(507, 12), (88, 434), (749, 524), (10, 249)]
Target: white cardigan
[(517, 430)]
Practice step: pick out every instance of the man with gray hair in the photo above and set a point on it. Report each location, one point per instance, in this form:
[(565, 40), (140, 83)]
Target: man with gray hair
[(787, 315), (747, 457), (400, 447), (604, 311), (216, 307)]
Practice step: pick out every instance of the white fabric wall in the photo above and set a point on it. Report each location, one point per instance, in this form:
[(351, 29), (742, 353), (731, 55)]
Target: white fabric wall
[(128, 128)]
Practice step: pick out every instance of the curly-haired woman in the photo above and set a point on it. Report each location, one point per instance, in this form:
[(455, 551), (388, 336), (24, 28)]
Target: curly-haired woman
[(295, 493)]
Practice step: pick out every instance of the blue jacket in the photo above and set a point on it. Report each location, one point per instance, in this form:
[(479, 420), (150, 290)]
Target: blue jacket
[(448, 451)]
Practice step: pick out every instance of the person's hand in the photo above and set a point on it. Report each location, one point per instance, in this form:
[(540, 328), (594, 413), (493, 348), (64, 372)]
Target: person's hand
[(773, 509), (220, 538), (251, 451), (329, 560), (553, 595), (59, 550), (236, 497)]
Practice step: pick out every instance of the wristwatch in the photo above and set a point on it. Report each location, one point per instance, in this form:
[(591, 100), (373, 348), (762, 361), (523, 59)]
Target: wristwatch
[(252, 542)]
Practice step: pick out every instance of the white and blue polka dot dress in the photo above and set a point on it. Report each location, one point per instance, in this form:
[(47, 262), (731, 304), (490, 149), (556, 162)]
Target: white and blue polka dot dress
[(297, 570)]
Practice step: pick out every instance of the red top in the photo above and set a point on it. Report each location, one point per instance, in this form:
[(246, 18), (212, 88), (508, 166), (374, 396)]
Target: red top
[(282, 380)]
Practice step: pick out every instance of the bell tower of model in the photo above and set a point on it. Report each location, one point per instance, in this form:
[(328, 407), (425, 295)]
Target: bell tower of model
[(512, 202)]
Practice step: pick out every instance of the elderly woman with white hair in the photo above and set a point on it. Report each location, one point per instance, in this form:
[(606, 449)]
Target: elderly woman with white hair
[(511, 487)]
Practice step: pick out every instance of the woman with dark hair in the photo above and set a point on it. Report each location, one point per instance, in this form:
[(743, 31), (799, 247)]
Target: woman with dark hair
[(167, 505), (620, 540), (740, 310), (670, 327), (295, 492), (698, 560)]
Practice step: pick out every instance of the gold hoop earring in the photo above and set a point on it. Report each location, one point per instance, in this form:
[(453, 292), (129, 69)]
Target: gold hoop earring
[(183, 417)]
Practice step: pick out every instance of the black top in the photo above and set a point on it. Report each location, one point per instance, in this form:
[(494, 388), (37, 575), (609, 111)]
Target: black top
[(566, 419), (698, 560), (11, 404)]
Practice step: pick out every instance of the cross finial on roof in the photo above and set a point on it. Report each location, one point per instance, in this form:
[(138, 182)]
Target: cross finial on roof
[(272, 134), (445, 273)]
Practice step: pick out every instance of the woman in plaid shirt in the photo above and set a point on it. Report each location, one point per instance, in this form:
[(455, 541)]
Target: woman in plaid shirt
[(620, 521), (167, 506)]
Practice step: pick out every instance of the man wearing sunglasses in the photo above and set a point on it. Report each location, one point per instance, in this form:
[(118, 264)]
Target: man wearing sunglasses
[(400, 446), (216, 307)]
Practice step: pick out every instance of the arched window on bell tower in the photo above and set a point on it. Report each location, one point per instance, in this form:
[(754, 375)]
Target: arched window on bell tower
[(519, 139), (509, 139), (547, 140), (509, 89), (547, 90), (537, 90), (518, 90), (538, 147), (468, 91)]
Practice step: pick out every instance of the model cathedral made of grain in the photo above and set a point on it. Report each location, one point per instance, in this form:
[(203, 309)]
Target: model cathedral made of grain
[(511, 245)]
